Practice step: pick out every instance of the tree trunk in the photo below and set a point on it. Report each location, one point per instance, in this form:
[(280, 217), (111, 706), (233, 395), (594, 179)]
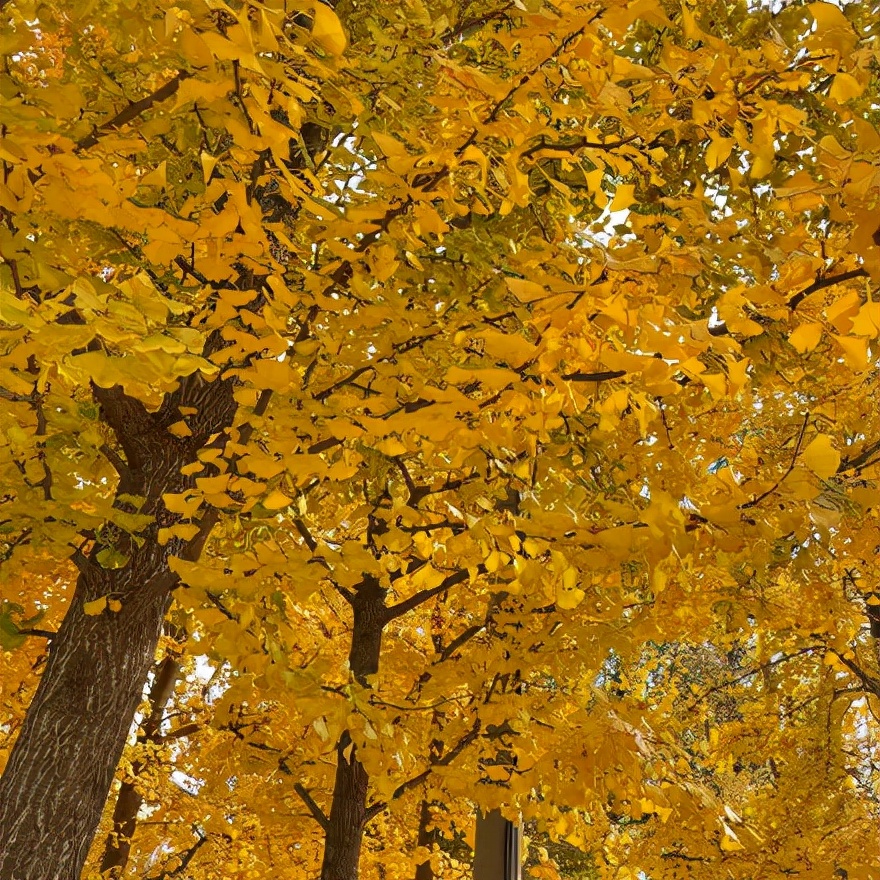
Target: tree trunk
[(53, 790), (348, 814), (55, 784), (426, 838), (117, 847), (348, 809)]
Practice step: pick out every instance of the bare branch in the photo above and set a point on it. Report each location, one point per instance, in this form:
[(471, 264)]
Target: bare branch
[(355, 374), (47, 634), (755, 670), (346, 594), (462, 639), (857, 462), (423, 595), (301, 527), (797, 448), (821, 283), (115, 459), (603, 376), (579, 144), (415, 781), (185, 858), (133, 110), (314, 809), (181, 732), (871, 684)]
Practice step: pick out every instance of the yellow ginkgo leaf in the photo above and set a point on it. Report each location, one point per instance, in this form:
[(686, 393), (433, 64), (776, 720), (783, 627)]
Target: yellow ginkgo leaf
[(718, 152), (821, 457), (806, 337), (524, 290), (855, 351), (276, 500), (867, 321), (845, 87), (95, 607), (327, 30), (209, 162)]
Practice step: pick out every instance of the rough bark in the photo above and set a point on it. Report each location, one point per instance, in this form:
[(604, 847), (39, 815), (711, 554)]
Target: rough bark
[(426, 838), (117, 846), (54, 787), (348, 809)]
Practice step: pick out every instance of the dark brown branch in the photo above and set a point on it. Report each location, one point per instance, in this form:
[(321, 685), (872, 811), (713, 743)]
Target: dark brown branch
[(413, 499), (346, 594), (323, 395), (301, 527), (859, 461), (461, 639), (417, 599), (218, 604), (747, 504), (133, 110), (16, 398), (602, 376), (821, 283), (871, 684), (579, 144), (469, 26), (185, 858), (417, 780), (313, 808), (47, 634), (769, 664), (181, 732), (115, 459)]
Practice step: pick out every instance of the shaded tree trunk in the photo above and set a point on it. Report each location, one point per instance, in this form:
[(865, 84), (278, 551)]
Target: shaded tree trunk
[(117, 847), (55, 785), (348, 815), (426, 838), (348, 809)]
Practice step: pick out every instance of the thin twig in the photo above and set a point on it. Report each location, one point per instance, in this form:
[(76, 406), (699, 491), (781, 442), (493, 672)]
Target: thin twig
[(747, 504)]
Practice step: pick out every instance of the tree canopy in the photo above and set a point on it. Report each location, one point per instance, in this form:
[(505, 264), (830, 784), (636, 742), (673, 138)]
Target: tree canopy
[(413, 407)]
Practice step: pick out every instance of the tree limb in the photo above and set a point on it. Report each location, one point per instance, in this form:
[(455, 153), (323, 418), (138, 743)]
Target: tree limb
[(821, 283), (415, 781), (417, 599), (602, 376), (313, 808), (133, 110)]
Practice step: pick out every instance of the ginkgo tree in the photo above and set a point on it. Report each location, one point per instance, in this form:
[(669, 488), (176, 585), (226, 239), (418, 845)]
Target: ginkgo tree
[(428, 367)]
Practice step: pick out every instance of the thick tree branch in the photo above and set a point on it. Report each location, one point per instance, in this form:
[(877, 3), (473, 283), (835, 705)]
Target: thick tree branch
[(417, 599), (821, 283), (133, 110), (116, 460), (871, 684), (462, 639), (317, 813)]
